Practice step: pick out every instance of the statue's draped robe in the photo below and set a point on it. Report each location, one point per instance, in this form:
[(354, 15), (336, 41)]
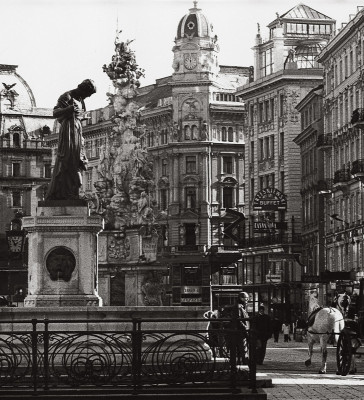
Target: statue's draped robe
[(71, 159)]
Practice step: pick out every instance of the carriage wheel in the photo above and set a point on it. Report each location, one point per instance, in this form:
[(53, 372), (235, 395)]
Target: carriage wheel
[(343, 353)]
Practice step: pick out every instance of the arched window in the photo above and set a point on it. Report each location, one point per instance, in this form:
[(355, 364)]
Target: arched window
[(16, 139)]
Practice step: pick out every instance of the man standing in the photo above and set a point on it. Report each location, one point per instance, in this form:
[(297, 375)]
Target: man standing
[(262, 327)]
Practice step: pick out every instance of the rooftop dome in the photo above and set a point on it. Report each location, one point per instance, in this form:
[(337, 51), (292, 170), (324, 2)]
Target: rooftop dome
[(194, 24), (14, 89)]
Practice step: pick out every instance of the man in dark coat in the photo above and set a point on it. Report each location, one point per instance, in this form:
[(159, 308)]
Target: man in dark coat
[(262, 327)]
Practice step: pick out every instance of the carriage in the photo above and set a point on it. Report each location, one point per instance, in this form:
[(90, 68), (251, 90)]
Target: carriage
[(351, 337)]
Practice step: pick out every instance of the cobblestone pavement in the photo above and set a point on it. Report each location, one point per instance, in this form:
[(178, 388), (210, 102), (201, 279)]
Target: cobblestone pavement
[(284, 364)]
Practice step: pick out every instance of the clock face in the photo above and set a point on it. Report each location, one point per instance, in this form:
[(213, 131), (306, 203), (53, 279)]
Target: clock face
[(190, 61), (15, 244)]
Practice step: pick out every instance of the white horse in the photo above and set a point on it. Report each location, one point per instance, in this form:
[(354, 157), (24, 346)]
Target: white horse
[(322, 324), (343, 303)]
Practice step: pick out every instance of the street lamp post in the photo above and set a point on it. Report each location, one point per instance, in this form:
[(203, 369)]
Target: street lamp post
[(15, 238)]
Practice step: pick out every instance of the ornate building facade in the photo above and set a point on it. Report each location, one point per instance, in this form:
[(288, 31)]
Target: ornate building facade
[(343, 63), (25, 168), (285, 71), (194, 132)]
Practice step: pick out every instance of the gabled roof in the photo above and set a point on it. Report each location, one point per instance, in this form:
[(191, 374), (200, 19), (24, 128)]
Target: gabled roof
[(301, 11)]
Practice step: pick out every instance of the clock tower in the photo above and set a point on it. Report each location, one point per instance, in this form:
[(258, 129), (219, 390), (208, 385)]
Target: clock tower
[(196, 49)]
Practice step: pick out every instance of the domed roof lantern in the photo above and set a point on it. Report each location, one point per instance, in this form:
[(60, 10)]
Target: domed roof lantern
[(194, 24)]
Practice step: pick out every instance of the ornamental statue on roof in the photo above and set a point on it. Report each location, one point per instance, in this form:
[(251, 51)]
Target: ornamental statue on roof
[(125, 182)]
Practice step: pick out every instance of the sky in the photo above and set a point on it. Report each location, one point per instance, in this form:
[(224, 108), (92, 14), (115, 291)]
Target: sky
[(58, 43)]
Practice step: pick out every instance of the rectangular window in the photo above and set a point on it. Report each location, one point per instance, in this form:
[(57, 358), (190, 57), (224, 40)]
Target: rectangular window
[(261, 149), (281, 105), (266, 147), (271, 108), (251, 114), (16, 198), (164, 167), (227, 197), (191, 197), (252, 151), (88, 149), (47, 171), (227, 164), (89, 179), (97, 147), (261, 182), (266, 109), (191, 165), (271, 146), (16, 169), (281, 143), (260, 112), (190, 240), (164, 201)]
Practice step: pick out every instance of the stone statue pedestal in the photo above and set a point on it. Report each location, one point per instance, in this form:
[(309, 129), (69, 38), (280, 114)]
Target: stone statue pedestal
[(63, 255)]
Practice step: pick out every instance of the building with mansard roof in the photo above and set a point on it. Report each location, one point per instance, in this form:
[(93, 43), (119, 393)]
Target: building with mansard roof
[(25, 166), (285, 71)]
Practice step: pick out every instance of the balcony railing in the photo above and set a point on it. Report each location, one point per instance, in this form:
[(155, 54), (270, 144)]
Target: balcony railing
[(357, 169), (357, 118), (342, 175), (324, 140), (323, 185)]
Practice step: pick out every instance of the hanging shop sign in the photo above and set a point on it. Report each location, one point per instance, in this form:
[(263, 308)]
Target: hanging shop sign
[(270, 199)]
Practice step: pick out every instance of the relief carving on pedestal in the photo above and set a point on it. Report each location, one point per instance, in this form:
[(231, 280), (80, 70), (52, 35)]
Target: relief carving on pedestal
[(60, 264)]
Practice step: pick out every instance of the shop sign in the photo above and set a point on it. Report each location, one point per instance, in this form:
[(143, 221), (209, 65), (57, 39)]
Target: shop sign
[(191, 300), (191, 289), (274, 278), (268, 227), (270, 199)]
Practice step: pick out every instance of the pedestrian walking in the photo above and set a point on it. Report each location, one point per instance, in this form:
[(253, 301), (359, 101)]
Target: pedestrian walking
[(262, 326), (277, 325), (286, 330)]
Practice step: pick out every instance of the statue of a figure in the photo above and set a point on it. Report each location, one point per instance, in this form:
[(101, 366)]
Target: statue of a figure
[(71, 159)]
